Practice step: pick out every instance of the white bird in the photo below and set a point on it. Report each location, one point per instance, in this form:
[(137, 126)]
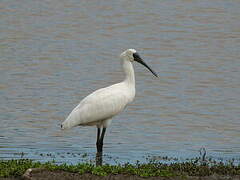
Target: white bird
[(98, 108)]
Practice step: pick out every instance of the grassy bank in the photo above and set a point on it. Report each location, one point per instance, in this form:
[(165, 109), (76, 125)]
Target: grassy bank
[(16, 168)]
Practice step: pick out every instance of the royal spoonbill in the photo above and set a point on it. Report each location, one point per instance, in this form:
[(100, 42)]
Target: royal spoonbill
[(98, 108)]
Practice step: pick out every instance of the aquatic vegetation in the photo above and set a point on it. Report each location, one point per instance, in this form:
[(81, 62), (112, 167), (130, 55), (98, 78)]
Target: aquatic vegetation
[(15, 168)]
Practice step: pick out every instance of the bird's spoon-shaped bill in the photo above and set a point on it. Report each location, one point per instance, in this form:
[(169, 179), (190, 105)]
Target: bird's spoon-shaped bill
[(139, 60)]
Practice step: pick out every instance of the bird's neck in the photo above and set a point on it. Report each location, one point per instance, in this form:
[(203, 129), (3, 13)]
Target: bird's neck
[(129, 73)]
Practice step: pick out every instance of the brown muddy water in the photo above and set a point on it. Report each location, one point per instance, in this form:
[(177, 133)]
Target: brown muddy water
[(53, 53)]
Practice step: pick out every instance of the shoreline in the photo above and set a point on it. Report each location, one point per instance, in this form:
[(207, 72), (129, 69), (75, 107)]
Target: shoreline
[(63, 175), (28, 169)]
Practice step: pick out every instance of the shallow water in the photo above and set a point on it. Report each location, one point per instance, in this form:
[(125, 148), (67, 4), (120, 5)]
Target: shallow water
[(54, 53)]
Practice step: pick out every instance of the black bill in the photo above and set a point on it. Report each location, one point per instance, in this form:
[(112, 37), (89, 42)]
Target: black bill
[(139, 60)]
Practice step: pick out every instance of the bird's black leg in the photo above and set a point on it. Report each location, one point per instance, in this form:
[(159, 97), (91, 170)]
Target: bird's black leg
[(101, 139), (98, 138), (99, 145)]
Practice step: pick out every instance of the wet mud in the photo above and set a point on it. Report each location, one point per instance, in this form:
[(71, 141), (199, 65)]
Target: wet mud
[(42, 174)]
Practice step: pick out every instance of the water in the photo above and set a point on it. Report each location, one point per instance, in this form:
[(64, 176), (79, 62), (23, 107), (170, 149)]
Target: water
[(54, 53)]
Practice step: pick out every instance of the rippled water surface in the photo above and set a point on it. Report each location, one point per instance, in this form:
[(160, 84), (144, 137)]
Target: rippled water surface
[(53, 53)]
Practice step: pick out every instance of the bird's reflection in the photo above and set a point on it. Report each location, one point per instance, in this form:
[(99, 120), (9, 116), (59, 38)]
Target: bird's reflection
[(99, 159)]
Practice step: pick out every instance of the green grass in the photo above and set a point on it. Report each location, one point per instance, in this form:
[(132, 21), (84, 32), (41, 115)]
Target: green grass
[(16, 168)]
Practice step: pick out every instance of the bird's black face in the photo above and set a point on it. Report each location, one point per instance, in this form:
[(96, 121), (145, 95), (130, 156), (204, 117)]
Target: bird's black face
[(139, 60)]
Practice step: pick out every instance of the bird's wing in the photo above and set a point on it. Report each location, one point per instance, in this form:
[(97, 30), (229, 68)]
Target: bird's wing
[(100, 105)]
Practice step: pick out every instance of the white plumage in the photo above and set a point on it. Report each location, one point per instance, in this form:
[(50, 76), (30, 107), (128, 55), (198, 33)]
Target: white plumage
[(98, 108)]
